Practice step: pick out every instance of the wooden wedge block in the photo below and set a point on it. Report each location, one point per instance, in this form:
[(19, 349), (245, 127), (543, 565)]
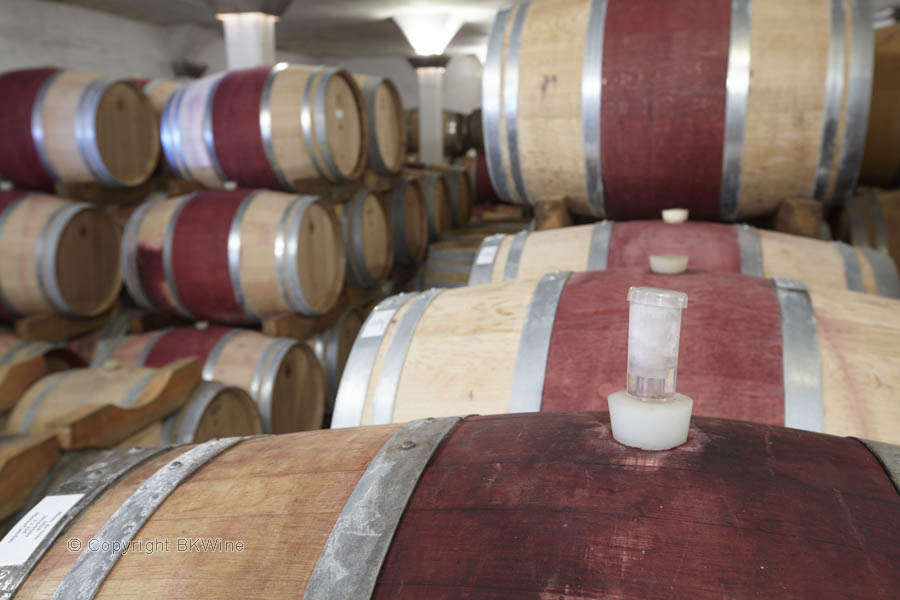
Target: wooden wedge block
[(97, 408), (23, 462)]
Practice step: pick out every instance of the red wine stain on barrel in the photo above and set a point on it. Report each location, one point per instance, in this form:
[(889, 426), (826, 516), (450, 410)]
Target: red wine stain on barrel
[(235, 123), (730, 358), (663, 106), (548, 506), (182, 343), (153, 277), (19, 159), (708, 246)]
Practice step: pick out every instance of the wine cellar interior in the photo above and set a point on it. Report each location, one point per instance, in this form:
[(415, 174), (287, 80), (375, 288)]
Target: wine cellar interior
[(419, 299)]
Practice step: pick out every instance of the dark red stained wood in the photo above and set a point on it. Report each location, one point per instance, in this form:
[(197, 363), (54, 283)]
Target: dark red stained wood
[(484, 189), (200, 256), (663, 106), (549, 506), (235, 123), (153, 277), (589, 345), (19, 160), (184, 342), (709, 246)]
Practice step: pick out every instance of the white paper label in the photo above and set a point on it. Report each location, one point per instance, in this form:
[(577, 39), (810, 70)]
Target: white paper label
[(486, 255), (29, 532), (377, 323)]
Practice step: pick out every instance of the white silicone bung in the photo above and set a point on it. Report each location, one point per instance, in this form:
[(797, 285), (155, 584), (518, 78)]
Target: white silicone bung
[(650, 424), (668, 264), (675, 215), (230, 185), (5, 186)]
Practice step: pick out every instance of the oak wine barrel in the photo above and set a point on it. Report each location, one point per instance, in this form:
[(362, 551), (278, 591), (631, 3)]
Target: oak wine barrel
[(73, 126), (881, 160), (214, 410), (452, 128), (332, 347), (281, 375), (56, 256), (267, 127), (709, 246), (405, 204), (438, 207), (460, 187), (726, 108), (368, 242), (449, 262), (387, 123), (762, 350), (506, 505), (234, 256), (871, 222)]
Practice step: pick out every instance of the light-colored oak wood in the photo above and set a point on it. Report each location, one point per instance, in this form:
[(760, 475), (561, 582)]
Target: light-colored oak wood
[(125, 129), (332, 348), (436, 194), (412, 238), (82, 406), (858, 336), (229, 412), (786, 102), (387, 122), (371, 255), (158, 92), (345, 119), (447, 346), (881, 160), (23, 461), (279, 477), (463, 353), (816, 262), (85, 257)]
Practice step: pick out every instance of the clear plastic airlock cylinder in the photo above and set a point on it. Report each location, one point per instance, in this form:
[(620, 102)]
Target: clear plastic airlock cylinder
[(654, 330), (649, 413)]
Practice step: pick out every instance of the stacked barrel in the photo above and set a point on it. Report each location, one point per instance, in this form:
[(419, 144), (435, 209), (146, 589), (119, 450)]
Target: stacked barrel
[(257, 243), (267, 301)]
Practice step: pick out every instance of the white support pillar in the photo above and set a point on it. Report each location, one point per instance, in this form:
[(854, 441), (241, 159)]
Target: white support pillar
[(431, 118), (249, 39)]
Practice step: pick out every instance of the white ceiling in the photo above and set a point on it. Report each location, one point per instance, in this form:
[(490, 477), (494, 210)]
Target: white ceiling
[(340, 28)]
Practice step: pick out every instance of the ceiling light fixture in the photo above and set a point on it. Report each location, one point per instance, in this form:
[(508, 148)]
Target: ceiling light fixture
[(429, 33)]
